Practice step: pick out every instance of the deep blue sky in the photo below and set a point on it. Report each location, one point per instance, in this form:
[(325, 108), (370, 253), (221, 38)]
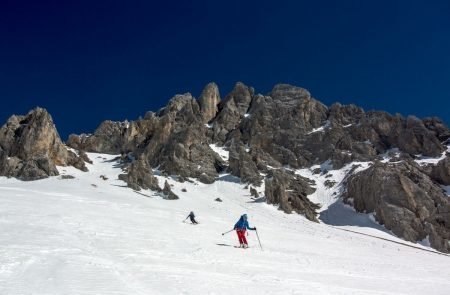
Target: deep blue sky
[(87, 61)]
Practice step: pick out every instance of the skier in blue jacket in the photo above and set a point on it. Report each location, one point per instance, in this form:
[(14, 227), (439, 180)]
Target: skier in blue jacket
[(241, 227)]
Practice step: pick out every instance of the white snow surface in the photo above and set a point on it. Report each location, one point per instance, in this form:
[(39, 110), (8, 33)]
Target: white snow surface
[(422, 160), (93, 236), (389, 154), (224, 154), (318, 129), (324, 195)]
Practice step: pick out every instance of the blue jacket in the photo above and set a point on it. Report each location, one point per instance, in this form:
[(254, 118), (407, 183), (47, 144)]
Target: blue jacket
[(242, 224)]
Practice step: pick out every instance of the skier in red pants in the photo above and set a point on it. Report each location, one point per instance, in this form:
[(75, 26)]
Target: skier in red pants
[(241, 227)]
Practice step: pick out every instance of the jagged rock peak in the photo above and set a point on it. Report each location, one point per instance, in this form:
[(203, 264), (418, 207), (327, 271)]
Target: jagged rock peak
[(209, 101), (231, 110), (30, 147), (288, 92), (239, 98), (176, 103)]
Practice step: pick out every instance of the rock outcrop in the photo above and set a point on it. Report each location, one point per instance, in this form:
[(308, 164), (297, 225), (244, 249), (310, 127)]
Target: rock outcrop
[(438, 128), (173, 139), (209, 101), (179, 145), (405, 200), (167, 192), (277, 124), (242, 165), (441, 172), (107, 139), (30, 147), (140, 175), (231, 111), (290, 192)]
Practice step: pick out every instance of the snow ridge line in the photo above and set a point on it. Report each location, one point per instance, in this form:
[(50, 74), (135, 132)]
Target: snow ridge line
[(384, 239)]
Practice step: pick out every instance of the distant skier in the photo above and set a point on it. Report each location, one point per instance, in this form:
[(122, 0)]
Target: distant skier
[(191, 216), (241, 227)]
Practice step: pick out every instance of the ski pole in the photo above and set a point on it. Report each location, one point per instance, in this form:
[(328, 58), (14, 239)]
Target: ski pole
[(227, 232), (258, 239)]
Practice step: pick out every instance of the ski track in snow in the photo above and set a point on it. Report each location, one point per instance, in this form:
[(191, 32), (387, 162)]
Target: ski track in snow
[(71, 237)]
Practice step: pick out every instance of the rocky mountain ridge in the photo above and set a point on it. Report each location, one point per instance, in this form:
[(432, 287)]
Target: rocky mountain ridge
[(270, 136)]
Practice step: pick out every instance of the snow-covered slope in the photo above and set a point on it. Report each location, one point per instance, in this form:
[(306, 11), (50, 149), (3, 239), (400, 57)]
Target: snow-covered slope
[(88, 235)]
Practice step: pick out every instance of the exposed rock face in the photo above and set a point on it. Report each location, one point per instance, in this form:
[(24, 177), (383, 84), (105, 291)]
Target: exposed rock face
[(167, 192), (417, 139), (438, 128), (209, 101), (107, 138), (405, 200), (290, 191), (118, 137), (242, 164), (277, 123), (231, 111), (254, 193), (345, 115), (365, 136), (179, 145), (385, 131), (173, 139), (140, 175), (30, 147), (441, 172)]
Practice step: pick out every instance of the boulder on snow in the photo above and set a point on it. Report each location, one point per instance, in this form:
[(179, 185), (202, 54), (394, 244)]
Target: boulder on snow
[(254, 193), (290, 192), (140, 175), (167, 192)]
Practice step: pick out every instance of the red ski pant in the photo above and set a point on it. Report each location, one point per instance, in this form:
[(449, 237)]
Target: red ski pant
[(241, 236)]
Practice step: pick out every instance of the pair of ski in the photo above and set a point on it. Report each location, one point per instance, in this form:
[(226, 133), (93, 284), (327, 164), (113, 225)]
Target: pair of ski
[(259, 241), (192, 223), (227, 245)]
